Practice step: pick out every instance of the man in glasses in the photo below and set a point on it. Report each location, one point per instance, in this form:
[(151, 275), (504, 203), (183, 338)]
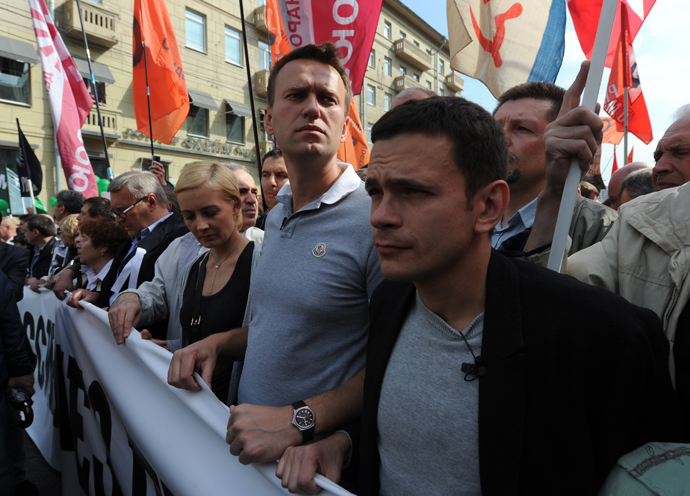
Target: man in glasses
[(139, 203)]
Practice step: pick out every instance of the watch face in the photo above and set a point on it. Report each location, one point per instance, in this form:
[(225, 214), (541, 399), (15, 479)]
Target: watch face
[(304, 418)]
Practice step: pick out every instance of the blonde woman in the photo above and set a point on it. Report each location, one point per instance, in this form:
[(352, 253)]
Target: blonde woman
[(214, 288)]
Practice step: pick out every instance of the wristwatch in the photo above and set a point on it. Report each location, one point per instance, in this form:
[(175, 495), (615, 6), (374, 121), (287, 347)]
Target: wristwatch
[(304, 419)]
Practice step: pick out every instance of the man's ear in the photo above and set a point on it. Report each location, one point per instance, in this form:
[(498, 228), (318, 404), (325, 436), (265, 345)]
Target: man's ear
[(346, 126), (268, 120), (490, 202)]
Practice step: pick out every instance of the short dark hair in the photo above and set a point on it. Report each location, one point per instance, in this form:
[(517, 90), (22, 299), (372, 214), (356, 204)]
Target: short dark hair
[(42, 224), (104, 232), (479, 145), (275, 153), (97, 206), (638, 183), (71, 200), (539, 91), (326, 53)]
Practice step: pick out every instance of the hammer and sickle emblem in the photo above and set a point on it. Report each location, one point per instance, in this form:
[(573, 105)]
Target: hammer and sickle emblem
[(493, 46)]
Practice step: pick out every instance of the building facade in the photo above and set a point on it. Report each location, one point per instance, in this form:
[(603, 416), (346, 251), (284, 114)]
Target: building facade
[(407, 52)]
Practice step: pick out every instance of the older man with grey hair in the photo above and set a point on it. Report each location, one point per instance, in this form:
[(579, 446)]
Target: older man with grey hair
[(139, 203), (249, 195), (636, 184)]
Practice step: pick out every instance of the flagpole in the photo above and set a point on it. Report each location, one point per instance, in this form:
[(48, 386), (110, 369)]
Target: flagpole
[(95, 92), (589, 100), (255, 125), (148, 98), (625, 135)]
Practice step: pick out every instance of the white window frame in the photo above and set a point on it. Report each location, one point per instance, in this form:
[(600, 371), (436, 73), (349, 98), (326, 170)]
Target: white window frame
[(195, 17), (387, 101), (371, 95), (234, 35), (387, 66), (372, 59), (387, 30)]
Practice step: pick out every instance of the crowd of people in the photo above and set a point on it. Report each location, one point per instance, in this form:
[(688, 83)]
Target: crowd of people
[(398, 334)]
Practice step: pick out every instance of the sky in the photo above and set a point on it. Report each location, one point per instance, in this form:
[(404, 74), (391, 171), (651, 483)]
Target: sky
[(660, 57)]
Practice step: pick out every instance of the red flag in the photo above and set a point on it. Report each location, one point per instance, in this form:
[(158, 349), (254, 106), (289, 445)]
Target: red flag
[(350, 25), (615, 161), (355, 149), (585, 15), (630, 156), (169, 97), (624, 74), (278, 38), (70, 101)]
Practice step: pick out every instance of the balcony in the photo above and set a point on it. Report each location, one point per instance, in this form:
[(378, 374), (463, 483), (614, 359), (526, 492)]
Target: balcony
[(111, 122), (100, 24), (261, 83), (412, 54), (260, 19), (405, 82), (455, 82)]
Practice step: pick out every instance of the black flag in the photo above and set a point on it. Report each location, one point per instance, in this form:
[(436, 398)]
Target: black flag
[(28, 166)]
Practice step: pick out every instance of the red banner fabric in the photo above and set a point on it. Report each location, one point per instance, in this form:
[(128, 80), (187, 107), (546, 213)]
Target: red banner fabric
[(168, 89), (585, 15), (624, 64), (350, 24), (70, 101)]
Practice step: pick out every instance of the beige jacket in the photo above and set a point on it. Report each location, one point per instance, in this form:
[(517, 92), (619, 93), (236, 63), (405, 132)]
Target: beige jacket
[(644, 258)]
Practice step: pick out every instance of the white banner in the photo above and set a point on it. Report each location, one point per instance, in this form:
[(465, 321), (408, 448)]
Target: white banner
[(38, 315), (123, 430)]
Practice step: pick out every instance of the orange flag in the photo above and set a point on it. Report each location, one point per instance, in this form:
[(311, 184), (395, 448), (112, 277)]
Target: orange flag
[(611, 133), (630, 156), (278, 38), (624, 74), (355, 149), (169, 97)]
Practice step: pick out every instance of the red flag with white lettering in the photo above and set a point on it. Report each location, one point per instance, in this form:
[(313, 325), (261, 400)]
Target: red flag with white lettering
[(350, 24), (585, 15), (70, 101), (624, 74)]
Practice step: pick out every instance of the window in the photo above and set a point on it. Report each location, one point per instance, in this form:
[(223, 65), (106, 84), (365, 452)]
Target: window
[(403, 71), (264, 56), (235, 128), (371, 95), (428, 84), (442, 92), (387, 66), (197, 121), (15, 84), (387, 30), (416, 43), (441, 67), (415, 77), (402, 35), (387, 101), (428, 52), (372, 57), (100, 87), (195, 26), (369, 128), (262, 127), (233, 46)]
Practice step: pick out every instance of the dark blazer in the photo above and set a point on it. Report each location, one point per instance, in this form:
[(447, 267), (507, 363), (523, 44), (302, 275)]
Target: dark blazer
[(13, 262), (575, 377), (15, 352), (42, 266), (154, 244)]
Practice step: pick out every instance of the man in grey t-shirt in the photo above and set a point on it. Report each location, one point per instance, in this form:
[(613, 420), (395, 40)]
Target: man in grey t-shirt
[(310, 292), (480, 378)]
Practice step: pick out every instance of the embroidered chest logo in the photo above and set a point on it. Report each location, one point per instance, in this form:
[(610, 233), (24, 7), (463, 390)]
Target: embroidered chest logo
[(319, 250)]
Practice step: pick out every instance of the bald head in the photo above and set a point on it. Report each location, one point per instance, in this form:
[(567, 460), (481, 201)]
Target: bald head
[(411, 94), (7, 229), (617, 179)]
